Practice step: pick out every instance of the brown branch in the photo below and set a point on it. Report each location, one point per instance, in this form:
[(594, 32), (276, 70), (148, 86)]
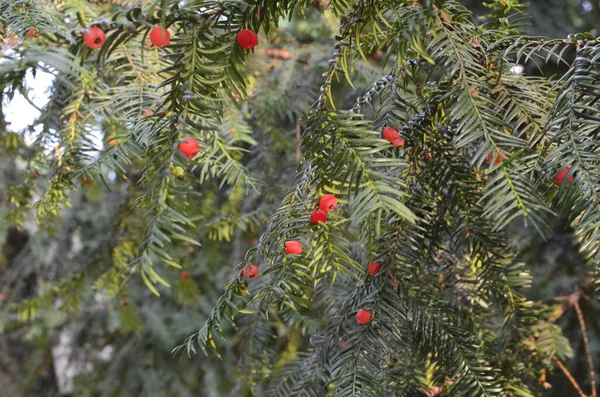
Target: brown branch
[(437, 390), (434, 391), (586, 342), (569, 376)]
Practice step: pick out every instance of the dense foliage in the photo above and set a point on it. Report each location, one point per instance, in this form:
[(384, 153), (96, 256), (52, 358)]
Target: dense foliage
[(127, 255)]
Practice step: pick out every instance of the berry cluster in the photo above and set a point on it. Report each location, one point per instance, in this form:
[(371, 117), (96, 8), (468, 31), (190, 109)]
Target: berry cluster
[(500, 156), (393, 136), (94, 38), (327, 203)]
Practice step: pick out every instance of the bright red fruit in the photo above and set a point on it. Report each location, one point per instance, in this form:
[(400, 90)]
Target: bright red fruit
[(160, 37), (328, 202), (247, 39), (318, 216), (293, 247), (189, 148), (86, 182), (2, 297), (32, 33), (499, 157), (185, 275), (250, 272), (374, 268), (390, 134), (398, 142), (363, 316), (149, 113), (561, 176), (94, 37)]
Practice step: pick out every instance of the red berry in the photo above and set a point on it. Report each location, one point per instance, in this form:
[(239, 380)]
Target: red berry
[(2, 297), (318, 216), (328, 203), (499, 157), (250, 272), (390, 134), (32, 33), (160, 37), (234, 95), (561, 176), (189, 148), (363, 316), (395, 283), (293, 247), (86, 182), (346, 345), (185, 275), (398, 142), (34, 175), (149, 113), (374, 268), (94, 37), (247, 39)]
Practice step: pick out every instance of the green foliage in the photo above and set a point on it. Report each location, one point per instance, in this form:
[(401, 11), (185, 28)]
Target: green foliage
[(481, 148)]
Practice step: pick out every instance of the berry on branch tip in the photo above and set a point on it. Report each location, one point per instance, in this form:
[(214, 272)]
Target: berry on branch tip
[(561, 176), (250, 272), (318, 216), (293, 247), (390, 134), (86, 182), (398, 142), (32, 33), (94, 38), (328, 202), (160, 37), (500, 156), (374, 268), (185, 275), (189, 148), (247, 39), (363, 316)]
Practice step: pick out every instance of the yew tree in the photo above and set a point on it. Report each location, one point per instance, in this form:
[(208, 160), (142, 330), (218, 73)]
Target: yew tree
[(323, 194)]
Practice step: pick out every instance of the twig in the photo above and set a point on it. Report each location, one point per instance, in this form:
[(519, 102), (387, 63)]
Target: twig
[(207, 13), (298, 140), (434, 391), (569, 376), (586, 342), (437, 390)]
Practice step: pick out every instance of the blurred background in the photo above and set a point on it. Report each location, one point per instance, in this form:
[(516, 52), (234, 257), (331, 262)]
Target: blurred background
[(121, 345)]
